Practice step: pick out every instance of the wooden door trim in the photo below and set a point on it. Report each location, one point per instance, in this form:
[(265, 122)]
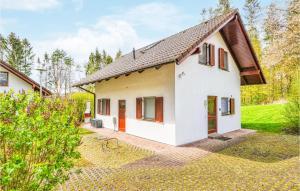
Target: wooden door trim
[(216, 115), (124, 129)]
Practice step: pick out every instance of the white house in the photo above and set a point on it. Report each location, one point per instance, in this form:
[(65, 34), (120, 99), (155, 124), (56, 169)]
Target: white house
[(12, 79), (181, 88)]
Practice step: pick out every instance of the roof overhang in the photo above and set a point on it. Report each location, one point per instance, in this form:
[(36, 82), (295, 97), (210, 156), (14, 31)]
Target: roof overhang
[(236, 38), (123, 74), (240, 47), (35, 85)]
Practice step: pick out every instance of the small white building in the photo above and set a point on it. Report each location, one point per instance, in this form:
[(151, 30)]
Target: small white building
[(181, 88), (12, 79)]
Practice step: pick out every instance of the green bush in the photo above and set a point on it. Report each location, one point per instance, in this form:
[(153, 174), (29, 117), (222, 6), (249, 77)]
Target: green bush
[(38, 138), (292, 110), (79, 100)]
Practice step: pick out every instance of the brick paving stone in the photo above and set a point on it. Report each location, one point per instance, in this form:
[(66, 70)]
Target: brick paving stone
[(195, 166)]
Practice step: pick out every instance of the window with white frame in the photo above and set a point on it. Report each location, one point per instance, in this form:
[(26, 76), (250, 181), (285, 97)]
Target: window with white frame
[(227, 106), (225, 60), (204, 54), (103, 107), (3, 78), (149, 108)]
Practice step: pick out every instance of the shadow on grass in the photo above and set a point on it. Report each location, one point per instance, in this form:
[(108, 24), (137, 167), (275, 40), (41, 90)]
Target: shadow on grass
[(265, 147)]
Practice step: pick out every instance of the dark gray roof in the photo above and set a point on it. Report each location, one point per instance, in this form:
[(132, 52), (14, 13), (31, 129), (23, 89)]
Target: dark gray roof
[(161, 52)]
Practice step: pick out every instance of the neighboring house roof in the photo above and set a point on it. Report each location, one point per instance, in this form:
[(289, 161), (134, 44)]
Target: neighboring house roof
[(179, 46), (35, 85)]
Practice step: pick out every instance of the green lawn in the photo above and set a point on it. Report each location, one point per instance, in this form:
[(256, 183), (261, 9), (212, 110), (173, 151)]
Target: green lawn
[(267, 118)]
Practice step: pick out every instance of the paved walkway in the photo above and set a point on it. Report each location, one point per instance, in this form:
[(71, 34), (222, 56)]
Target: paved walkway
[(168, 155), (149, 168)]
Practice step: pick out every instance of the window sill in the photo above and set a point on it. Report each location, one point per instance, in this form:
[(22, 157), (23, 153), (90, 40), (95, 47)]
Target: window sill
[(226, 114), (227, 70), (102, 114), (150, 120)]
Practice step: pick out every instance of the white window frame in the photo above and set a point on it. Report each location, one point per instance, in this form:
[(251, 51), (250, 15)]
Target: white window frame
[(228, 106), (206, 47), (144, 108)]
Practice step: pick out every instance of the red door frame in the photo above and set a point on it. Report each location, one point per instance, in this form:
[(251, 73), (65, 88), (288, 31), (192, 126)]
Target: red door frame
[(212, 117), (122, 116)]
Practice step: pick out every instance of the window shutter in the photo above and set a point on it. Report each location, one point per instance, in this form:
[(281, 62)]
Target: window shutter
[(99, 106), (221, 58), (232, 106), (159, 112), (211, 54), (139, 102), (108, 107)]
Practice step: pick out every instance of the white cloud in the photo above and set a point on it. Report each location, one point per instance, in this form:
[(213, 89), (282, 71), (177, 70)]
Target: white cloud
[(106, 34), (29, 5), (115, 31)]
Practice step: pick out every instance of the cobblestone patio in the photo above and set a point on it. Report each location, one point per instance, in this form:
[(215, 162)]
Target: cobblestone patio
[(196, 166)]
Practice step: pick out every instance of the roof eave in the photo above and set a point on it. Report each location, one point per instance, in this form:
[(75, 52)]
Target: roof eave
[(118, 75)]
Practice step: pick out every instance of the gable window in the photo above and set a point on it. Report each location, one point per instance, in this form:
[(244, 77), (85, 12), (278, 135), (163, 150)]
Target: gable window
[(149, 108), (207, 54), (103, 107), (227, 106), (223, 59), (3, 78), (203, 56)]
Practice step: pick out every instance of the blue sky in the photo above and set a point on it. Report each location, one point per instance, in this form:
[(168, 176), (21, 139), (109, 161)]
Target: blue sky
[(79, 26)]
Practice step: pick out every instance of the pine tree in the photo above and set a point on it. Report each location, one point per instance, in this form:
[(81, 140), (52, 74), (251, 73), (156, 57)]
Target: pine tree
[(17, 52), (223, 7), (118, 54)]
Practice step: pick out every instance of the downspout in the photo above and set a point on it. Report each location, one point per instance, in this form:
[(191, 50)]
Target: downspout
[(94, 95)]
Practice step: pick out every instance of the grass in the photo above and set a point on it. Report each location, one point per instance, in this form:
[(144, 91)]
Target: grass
[(83, 131), (265, 118)]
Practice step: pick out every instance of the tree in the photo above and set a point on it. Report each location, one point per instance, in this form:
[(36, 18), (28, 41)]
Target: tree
[(118, 54), (106, 59), (253, 94), (38, 138), (97, 61), (59, 68), (17, 52), (223, 7)]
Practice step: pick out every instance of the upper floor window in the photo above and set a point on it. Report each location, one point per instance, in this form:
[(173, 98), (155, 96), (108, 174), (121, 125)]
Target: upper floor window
[(3, 78), (207, 54), (223, 59)]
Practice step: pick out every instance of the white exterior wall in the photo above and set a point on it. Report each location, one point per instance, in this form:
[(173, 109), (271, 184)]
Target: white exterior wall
[(151, 82), (15, 83), (192, 89)]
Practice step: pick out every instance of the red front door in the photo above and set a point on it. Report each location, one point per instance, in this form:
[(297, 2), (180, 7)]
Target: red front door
[(212, 114), (122, 111)]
